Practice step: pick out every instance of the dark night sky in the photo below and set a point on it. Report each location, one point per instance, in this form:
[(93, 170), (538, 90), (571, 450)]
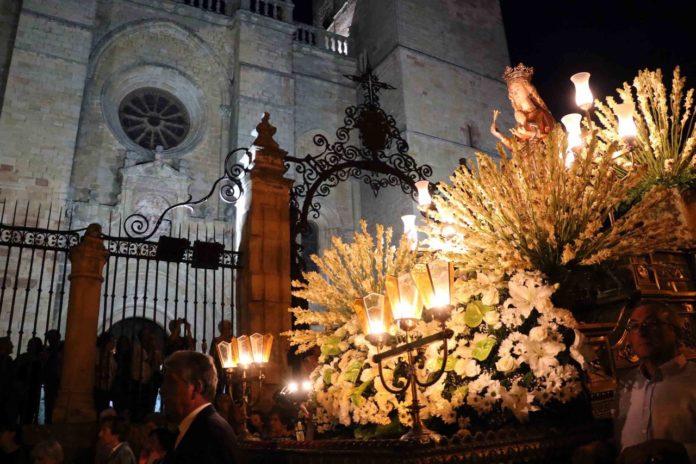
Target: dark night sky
[(612, 39)]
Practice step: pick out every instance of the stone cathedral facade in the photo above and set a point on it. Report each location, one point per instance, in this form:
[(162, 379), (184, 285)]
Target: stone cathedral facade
[(110, 107)]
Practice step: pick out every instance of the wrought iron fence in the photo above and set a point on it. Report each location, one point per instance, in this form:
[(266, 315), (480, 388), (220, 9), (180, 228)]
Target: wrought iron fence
[(138, 283), (143, 288), (34, 265)]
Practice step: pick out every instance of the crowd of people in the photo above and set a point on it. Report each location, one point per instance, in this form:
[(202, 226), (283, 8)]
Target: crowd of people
[(655, 419), (128, 377), (22, 379)]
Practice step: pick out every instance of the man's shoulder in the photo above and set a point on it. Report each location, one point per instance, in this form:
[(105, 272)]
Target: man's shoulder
[(210, 421)]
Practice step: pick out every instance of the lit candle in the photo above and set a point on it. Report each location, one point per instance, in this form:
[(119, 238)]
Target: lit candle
[(572, 125), (374, 307), (583, 94), (410, 230), (448, 230), (627, 127), (424, 198)]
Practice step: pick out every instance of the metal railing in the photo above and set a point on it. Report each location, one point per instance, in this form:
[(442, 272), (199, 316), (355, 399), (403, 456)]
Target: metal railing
[(280, 10)]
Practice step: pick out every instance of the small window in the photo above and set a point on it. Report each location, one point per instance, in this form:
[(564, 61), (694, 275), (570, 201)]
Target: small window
[(152, 117)]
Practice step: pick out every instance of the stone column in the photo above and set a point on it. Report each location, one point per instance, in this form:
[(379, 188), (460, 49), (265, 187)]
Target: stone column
[(75, 403), (266, 252)]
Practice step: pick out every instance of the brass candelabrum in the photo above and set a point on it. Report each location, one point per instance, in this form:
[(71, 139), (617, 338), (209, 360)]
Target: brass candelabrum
[(242, 353), (427, 285)]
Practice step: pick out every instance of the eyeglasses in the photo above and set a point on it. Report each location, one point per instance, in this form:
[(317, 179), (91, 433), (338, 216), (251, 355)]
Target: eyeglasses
[(648, 324)]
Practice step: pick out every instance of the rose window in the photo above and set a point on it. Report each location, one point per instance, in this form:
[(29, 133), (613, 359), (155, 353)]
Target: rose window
[(153, 117)]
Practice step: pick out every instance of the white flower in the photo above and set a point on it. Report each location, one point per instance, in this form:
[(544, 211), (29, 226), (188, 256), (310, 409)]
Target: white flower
[(538, 334), (489, 287), (492, 318), (467, 367), (527, 294), (505, 364), (541, 355), (519, 400), (576, 347)]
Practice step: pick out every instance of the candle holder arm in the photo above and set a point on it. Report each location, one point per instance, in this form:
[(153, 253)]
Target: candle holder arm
[(440, 371)]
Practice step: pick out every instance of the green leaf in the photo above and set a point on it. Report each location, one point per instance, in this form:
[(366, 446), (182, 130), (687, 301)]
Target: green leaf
[(353, 371), (434, 364), (473, 315), (356, 396), (327, 376), (483, 348), (330, 346), (464, 389), (482, 307)]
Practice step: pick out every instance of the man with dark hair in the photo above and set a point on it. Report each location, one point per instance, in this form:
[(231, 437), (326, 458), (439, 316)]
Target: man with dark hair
[(113, 432), (188, 388), (657, 412)]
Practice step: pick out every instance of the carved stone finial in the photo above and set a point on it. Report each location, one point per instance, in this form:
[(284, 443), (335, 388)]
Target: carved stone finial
[(264, 134)]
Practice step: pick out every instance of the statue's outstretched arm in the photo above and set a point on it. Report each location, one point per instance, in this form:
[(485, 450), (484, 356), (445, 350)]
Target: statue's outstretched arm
[(496, 133)]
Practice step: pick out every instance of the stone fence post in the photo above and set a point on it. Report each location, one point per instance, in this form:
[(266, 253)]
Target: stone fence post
[(75, 403), (266, 252)]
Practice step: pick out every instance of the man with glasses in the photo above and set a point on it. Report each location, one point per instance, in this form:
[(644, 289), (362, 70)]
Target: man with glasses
[(656, 420)]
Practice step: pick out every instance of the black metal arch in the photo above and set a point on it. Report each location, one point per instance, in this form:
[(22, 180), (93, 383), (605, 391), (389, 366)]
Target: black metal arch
[(381, 161)]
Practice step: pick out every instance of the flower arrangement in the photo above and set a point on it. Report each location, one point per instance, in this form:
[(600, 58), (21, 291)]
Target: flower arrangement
[(512, 352), (346, 271), (531, 211), (665, 144)]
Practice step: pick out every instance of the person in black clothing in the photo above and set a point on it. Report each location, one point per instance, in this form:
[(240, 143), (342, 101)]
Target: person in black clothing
[(180, 337), (187, 390), (121, 385), (105, 372), (8, 411), (29, 377), (53, 359), (11, 449)]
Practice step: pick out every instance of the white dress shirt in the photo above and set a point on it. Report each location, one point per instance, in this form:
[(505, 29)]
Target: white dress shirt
[(661, 407)]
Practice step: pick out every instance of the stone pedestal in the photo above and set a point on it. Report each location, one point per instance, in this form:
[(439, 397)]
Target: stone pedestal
[(75, 403), (266, 253)]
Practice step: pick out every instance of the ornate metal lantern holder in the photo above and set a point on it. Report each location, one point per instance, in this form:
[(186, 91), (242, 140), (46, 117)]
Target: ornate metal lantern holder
[(407, 294), (230, 188), (242, 354)]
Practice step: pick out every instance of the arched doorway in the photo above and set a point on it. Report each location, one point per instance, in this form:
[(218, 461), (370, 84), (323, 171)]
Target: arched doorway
[(139, 361)]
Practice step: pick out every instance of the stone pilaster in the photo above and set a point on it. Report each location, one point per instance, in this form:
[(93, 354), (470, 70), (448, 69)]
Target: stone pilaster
[(75, 403), (266, 249)]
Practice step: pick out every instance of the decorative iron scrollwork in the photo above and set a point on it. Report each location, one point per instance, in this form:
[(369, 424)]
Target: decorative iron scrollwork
[(231, 189), (381, 161), (31, 237)]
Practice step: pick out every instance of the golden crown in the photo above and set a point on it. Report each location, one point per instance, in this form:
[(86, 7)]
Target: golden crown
[(518, 72)]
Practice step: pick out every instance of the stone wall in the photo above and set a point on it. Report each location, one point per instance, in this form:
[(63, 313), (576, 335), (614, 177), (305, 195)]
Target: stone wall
[(446, 58), (43, 96), (9, 16)]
